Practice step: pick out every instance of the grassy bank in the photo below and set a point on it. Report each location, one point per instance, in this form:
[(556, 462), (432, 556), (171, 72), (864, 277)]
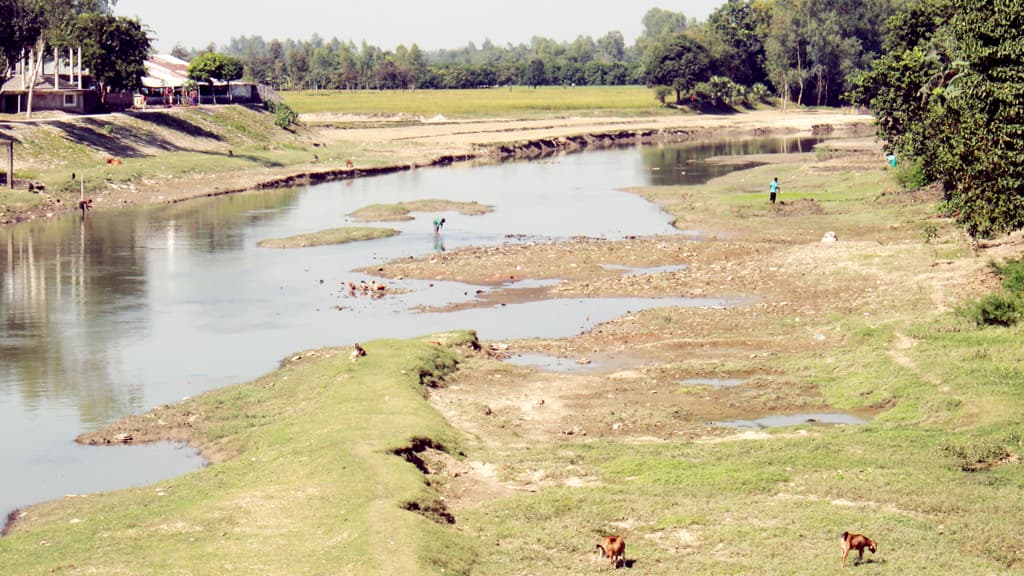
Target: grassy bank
[(776, 502), (485, 102), (310, 482)]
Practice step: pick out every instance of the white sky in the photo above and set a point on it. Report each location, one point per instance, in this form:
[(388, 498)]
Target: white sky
[(432, 24)]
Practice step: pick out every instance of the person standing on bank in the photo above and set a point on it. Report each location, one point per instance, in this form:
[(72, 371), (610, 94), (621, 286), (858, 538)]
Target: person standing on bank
[(773, 189)]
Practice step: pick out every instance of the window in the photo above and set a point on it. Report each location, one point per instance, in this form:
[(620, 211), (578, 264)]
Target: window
[(70, 100)]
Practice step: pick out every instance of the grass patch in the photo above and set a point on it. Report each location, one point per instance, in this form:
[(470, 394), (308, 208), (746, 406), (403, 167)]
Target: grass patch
[(519, 101), (314, 472), (328, 237), (401, 210)]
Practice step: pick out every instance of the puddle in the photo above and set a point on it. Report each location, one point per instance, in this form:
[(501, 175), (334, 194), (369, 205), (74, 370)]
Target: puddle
[(552, 363), (713, 382), (779, 421), (634, 271)]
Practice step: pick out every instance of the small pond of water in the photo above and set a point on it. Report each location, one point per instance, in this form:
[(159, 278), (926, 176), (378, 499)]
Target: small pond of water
[(713, 382), (779, 421)]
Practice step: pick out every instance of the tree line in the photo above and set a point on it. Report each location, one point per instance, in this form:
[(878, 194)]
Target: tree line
[(806, 51)]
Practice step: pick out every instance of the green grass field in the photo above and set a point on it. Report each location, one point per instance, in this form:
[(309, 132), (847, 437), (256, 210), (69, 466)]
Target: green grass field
[(518, 101)]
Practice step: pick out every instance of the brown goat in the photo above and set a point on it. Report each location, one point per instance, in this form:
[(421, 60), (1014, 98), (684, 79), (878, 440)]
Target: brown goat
[(613, 548), (856, 542)]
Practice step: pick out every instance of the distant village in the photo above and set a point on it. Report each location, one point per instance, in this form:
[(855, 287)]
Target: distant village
[(62, 84)]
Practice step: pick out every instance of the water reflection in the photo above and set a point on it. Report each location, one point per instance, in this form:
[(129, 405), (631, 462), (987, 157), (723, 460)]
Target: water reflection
[(683, 164), (126, 310)]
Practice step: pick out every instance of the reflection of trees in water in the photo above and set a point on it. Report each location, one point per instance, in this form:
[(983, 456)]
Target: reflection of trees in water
[(218, 224), (681, 163), (73, 292)]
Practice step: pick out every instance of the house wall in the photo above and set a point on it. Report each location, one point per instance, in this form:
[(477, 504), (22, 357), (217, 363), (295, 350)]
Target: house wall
[(72, 101)]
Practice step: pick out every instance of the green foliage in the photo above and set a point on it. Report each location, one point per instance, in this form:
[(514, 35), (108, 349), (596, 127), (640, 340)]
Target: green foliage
[(662, 93), (995, 310), (284, 115), (210, 66), (114, 49), (911, 175), (978, 454), (720, 92), (929, 231), (1012, 272), (951, 92), (679, 62)]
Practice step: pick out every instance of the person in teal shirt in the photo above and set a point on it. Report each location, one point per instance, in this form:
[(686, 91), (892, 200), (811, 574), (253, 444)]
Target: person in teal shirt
[(773, 188)]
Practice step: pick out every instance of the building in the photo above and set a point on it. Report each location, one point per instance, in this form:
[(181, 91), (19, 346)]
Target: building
[(60, 85)]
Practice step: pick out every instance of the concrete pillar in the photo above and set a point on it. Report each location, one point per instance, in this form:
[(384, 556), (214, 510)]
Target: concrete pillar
[(10, 163)]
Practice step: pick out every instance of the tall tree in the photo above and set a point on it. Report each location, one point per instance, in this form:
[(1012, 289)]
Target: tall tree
[(735, 44), (114, 48), (679, 62)]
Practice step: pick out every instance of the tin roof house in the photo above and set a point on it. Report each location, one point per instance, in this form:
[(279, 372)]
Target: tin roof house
[(60, 84)]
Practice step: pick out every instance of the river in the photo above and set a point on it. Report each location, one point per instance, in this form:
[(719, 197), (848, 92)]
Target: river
[(131, 309)]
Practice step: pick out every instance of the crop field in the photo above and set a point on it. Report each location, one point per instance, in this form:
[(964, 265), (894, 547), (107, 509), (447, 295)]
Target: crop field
[(517, 100)]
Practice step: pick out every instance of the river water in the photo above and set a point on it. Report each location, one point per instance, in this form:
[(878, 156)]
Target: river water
[(130, 309)]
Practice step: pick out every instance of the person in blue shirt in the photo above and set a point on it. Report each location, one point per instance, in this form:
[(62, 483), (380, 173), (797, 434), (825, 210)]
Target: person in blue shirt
[(773, 188)]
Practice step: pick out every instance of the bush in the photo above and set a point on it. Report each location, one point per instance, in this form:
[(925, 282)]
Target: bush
[(912, 175), (1012, 272), (996, 310), (284, 116), (977, 455)]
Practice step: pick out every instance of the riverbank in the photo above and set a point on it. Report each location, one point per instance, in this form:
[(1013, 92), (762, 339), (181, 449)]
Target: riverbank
[(172, 155)]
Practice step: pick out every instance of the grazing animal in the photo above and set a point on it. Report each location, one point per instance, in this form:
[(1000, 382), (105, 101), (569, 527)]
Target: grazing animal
[(613, 548), (114, 161), (357, 352), (349, 163), (856, 542)]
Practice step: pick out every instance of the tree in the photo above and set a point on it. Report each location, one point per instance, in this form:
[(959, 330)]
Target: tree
[(736, 46), (114, 49), (536, 73), (949, 103), (21, 29), (679, 62), (210, 66)]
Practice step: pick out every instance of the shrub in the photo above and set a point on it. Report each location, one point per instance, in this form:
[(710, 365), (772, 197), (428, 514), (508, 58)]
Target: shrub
[(995, 310), (977, 455), (912, 175), (284, 116), (1012, 272)]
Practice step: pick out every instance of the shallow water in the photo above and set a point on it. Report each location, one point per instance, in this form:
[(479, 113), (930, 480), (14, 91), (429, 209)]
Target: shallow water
[(132, 309), (713, 382), (780, 420)]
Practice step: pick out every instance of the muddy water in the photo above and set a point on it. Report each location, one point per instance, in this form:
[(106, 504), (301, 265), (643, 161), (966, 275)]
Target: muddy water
[(131, 309)]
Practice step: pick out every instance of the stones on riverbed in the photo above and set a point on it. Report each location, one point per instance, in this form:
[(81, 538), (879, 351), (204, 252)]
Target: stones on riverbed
[(123, 438), (574, 431)]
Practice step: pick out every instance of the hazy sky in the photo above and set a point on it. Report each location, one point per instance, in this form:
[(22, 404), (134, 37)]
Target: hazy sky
[(432, 24)]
